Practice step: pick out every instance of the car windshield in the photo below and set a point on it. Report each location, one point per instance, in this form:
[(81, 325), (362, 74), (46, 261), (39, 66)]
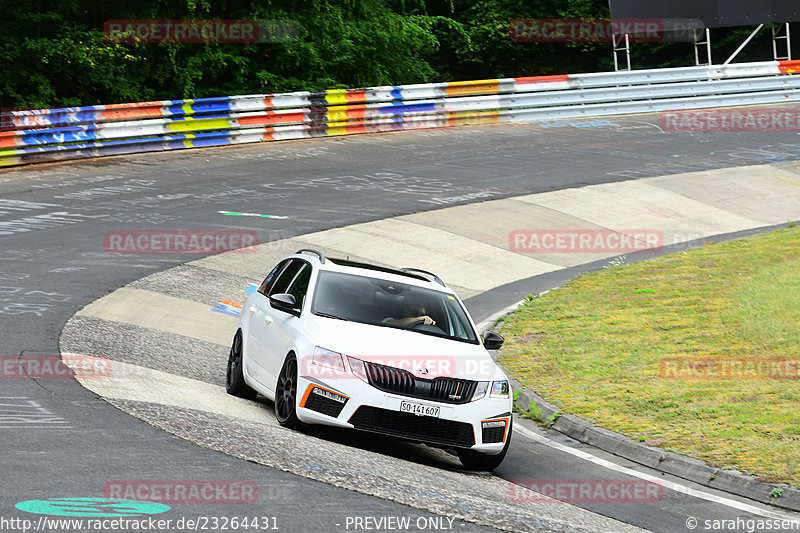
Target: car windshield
[(390, 304)]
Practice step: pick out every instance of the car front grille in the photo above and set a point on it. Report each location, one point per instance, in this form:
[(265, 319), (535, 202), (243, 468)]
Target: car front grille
[(414, 427), (403, 382)]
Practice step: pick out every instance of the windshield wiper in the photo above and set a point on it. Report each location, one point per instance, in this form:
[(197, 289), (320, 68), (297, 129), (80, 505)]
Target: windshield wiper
[(328, 315)]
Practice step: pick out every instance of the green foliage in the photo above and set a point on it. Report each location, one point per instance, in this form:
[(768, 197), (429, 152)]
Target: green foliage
[(55, 54), (534, 412), (59, 56), (551, 420)]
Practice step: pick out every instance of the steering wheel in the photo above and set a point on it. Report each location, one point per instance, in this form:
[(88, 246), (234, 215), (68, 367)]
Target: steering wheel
[(421, 326)]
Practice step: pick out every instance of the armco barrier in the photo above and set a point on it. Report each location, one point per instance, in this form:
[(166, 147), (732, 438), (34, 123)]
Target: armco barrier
[(80, 132)]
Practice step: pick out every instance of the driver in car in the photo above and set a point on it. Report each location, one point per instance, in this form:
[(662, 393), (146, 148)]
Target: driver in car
[(414, 315)]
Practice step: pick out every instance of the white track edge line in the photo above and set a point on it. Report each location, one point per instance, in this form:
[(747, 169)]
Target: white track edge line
[(677, 487)]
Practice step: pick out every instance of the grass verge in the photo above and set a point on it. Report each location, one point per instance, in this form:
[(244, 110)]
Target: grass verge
[(695, 352)]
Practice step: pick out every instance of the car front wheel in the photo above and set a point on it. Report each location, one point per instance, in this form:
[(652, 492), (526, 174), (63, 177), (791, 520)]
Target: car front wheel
[(286, 394)]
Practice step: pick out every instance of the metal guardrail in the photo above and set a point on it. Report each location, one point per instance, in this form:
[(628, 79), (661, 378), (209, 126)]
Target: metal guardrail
[(92, 131)]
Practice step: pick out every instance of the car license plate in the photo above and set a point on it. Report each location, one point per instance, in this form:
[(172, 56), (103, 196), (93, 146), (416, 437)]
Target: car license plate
[(419, 409)]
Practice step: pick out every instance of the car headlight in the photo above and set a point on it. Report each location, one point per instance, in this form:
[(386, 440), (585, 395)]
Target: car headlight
[(358, 368), (480, 390), (499, 389), (328, 358)]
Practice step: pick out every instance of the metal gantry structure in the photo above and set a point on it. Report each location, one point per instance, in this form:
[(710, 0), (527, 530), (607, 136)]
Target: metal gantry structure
[(781, 46)]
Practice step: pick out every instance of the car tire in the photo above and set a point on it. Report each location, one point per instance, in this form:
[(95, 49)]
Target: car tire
[(286, 394), (234, 379), (480, 461)]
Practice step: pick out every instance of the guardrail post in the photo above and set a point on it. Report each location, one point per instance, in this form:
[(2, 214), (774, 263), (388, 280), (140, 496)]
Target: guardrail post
[(776, 36), (617, 48), (698, 44)]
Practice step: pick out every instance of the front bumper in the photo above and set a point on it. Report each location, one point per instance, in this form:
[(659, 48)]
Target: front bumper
[(352, 403)]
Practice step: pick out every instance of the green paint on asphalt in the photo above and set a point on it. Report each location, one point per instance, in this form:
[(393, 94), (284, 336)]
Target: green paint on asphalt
[(94, 507), (239, 214)]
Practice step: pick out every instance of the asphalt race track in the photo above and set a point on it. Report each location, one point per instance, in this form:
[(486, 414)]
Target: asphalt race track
[(62, 441)]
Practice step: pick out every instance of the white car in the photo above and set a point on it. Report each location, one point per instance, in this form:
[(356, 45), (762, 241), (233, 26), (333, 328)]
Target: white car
[(360, 346)]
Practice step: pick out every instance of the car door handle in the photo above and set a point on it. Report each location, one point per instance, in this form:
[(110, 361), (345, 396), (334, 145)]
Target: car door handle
[(252, 309), (268, 320)]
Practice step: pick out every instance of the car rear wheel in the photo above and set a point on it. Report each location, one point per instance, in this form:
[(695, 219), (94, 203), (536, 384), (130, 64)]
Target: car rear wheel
[(234, 383), (481, 461), (286, 394)]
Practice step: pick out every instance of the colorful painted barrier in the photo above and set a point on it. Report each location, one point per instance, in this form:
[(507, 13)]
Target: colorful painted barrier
[(41, 135)]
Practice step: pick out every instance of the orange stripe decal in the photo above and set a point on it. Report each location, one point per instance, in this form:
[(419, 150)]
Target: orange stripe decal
[(505, 431), (305, 395)]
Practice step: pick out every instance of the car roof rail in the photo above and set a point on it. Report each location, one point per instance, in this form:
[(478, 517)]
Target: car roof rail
[(312, 251), (436, 278)]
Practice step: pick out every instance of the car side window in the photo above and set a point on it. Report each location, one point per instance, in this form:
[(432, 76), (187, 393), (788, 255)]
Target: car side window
[(270, 279), (286, 277), (299, 286)]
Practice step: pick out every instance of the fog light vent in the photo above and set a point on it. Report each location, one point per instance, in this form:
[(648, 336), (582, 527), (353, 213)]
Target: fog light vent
[(493, 431), (325, 402)]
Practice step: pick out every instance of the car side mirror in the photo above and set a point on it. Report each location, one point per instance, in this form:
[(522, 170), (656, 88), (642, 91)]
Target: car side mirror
[(492, 341), (284, 302)]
